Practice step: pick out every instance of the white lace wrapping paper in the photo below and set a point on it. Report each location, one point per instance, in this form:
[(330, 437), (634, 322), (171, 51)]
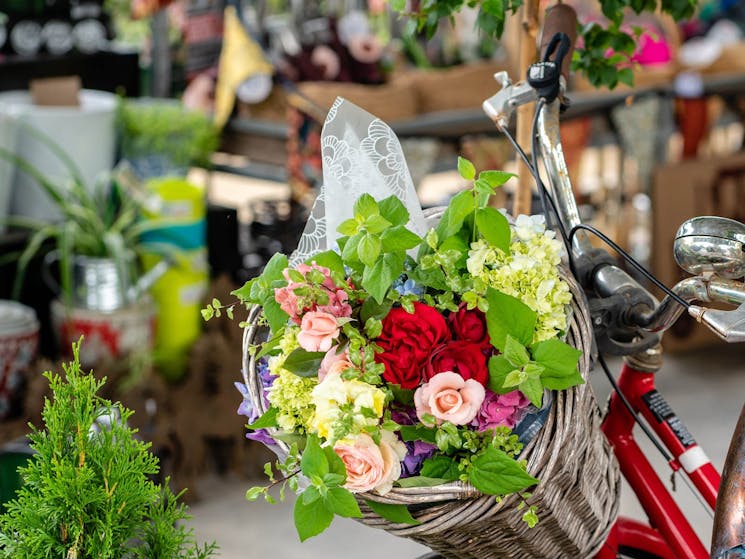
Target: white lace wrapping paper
[(361, 154)]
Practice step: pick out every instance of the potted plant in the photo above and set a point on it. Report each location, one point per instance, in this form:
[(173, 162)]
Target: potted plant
[(161, 137), (96, 245), (87, 491)]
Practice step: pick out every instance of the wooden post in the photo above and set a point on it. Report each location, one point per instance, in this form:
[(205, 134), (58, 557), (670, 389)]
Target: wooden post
[(528, 54)]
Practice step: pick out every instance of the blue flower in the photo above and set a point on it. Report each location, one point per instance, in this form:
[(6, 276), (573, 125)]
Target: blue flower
[(408, 287)]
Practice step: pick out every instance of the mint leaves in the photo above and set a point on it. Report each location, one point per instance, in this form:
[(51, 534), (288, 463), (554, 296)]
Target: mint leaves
[(260, 291), (495, 473), (325, 497), (375, 242), (550, 364)]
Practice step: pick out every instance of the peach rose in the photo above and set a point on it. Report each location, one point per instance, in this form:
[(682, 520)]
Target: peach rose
[(449, 398), (317, 331), (332, 356), (371, 467)]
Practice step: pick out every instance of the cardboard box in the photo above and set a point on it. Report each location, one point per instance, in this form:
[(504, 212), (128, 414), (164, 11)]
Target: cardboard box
[(681, 191)]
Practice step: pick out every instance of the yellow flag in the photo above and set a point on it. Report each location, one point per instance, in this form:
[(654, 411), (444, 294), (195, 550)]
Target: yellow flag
[(240, 58)]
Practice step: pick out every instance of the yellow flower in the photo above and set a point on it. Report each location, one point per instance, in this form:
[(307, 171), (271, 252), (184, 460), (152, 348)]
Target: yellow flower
[(343, 406)]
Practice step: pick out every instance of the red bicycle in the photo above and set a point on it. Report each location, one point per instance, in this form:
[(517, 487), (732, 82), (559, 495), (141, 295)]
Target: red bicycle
[(628, 321)]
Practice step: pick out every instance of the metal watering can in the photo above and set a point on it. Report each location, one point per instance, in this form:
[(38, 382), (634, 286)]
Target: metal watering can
[(102, 284)]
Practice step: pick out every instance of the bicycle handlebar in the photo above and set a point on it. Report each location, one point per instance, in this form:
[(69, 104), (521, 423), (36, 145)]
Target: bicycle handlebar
[(643, 314), (560, 19)]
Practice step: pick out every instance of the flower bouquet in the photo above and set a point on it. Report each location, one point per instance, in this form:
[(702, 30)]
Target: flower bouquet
[(406, 364)]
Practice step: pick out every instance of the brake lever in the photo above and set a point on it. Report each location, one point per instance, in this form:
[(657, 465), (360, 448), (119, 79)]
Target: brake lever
[(499, 107), (728, 325)]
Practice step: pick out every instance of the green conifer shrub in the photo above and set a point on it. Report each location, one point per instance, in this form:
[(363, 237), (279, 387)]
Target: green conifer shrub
[(87, 491)]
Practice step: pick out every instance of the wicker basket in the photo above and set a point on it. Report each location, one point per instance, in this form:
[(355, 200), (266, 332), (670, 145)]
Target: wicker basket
[(576, 498)]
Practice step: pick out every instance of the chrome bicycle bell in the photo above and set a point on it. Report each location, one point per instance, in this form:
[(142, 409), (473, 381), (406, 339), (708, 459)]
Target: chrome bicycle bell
[(711, 245)]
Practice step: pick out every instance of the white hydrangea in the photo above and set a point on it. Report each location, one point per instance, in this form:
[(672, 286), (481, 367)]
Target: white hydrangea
[(530, 273)]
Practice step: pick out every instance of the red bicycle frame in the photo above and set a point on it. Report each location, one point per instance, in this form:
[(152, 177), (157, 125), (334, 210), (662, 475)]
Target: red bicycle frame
[(669, 534)]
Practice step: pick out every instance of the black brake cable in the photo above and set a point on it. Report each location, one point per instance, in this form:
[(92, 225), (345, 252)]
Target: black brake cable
[(631, 260), (546, 196)]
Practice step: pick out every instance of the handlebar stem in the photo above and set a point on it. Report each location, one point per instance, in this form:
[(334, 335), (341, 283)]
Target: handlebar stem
[(553, 158)]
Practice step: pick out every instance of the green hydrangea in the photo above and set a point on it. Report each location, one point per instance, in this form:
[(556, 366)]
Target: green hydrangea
[(530, 272), (289, 393)]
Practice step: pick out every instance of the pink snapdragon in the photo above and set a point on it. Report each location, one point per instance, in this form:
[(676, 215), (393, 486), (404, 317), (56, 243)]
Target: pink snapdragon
[(295, 306)]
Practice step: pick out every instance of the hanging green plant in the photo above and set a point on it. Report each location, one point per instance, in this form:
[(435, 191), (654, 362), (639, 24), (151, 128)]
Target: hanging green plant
[(591, 56)]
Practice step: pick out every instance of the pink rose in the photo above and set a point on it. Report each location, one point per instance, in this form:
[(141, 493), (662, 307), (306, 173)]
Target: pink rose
[(500, 410), (332, 356), (369, 466), (449, 397), (317, 331)]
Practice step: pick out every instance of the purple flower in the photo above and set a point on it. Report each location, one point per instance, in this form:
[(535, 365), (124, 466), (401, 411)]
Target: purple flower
[(247, 409), (500, 410), (404, 416), (417, 453)]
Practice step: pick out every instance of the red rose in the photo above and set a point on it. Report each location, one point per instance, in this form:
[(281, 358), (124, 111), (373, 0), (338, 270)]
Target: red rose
[(469, 325), (407, 341), (465, 358)]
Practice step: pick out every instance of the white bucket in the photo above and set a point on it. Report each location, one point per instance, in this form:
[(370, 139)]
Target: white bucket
[(86, 133), (8, 136)]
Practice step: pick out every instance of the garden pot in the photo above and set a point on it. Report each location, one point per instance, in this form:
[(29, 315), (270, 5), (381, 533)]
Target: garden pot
[(86, 133), (19, 340), (117, 334), (102, 284)]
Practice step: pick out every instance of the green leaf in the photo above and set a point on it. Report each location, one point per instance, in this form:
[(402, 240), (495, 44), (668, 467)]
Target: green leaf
[(368, 249), (333, 480), (442, 467), (314, 461), (494, 227), (349, 252), (304, 363), (311, 519), (310, 494), (267, 419), (330, 260), (340, 501), (493, 472), (275, 316), (373, 328), (398, 514), (460, 207), (514, 378), (508, 315), (402, 395), (533, 390), (515, 352), (559, 360), (253, 493), (499, 368), (348, 227), (496, 178), (399, 238), (372, 309), (365, 206), (466, 169), (377, 279), (398, 5), (410, 433), (336, 464), (420, 481), (626, 77), (377, 223), (394, 210)]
